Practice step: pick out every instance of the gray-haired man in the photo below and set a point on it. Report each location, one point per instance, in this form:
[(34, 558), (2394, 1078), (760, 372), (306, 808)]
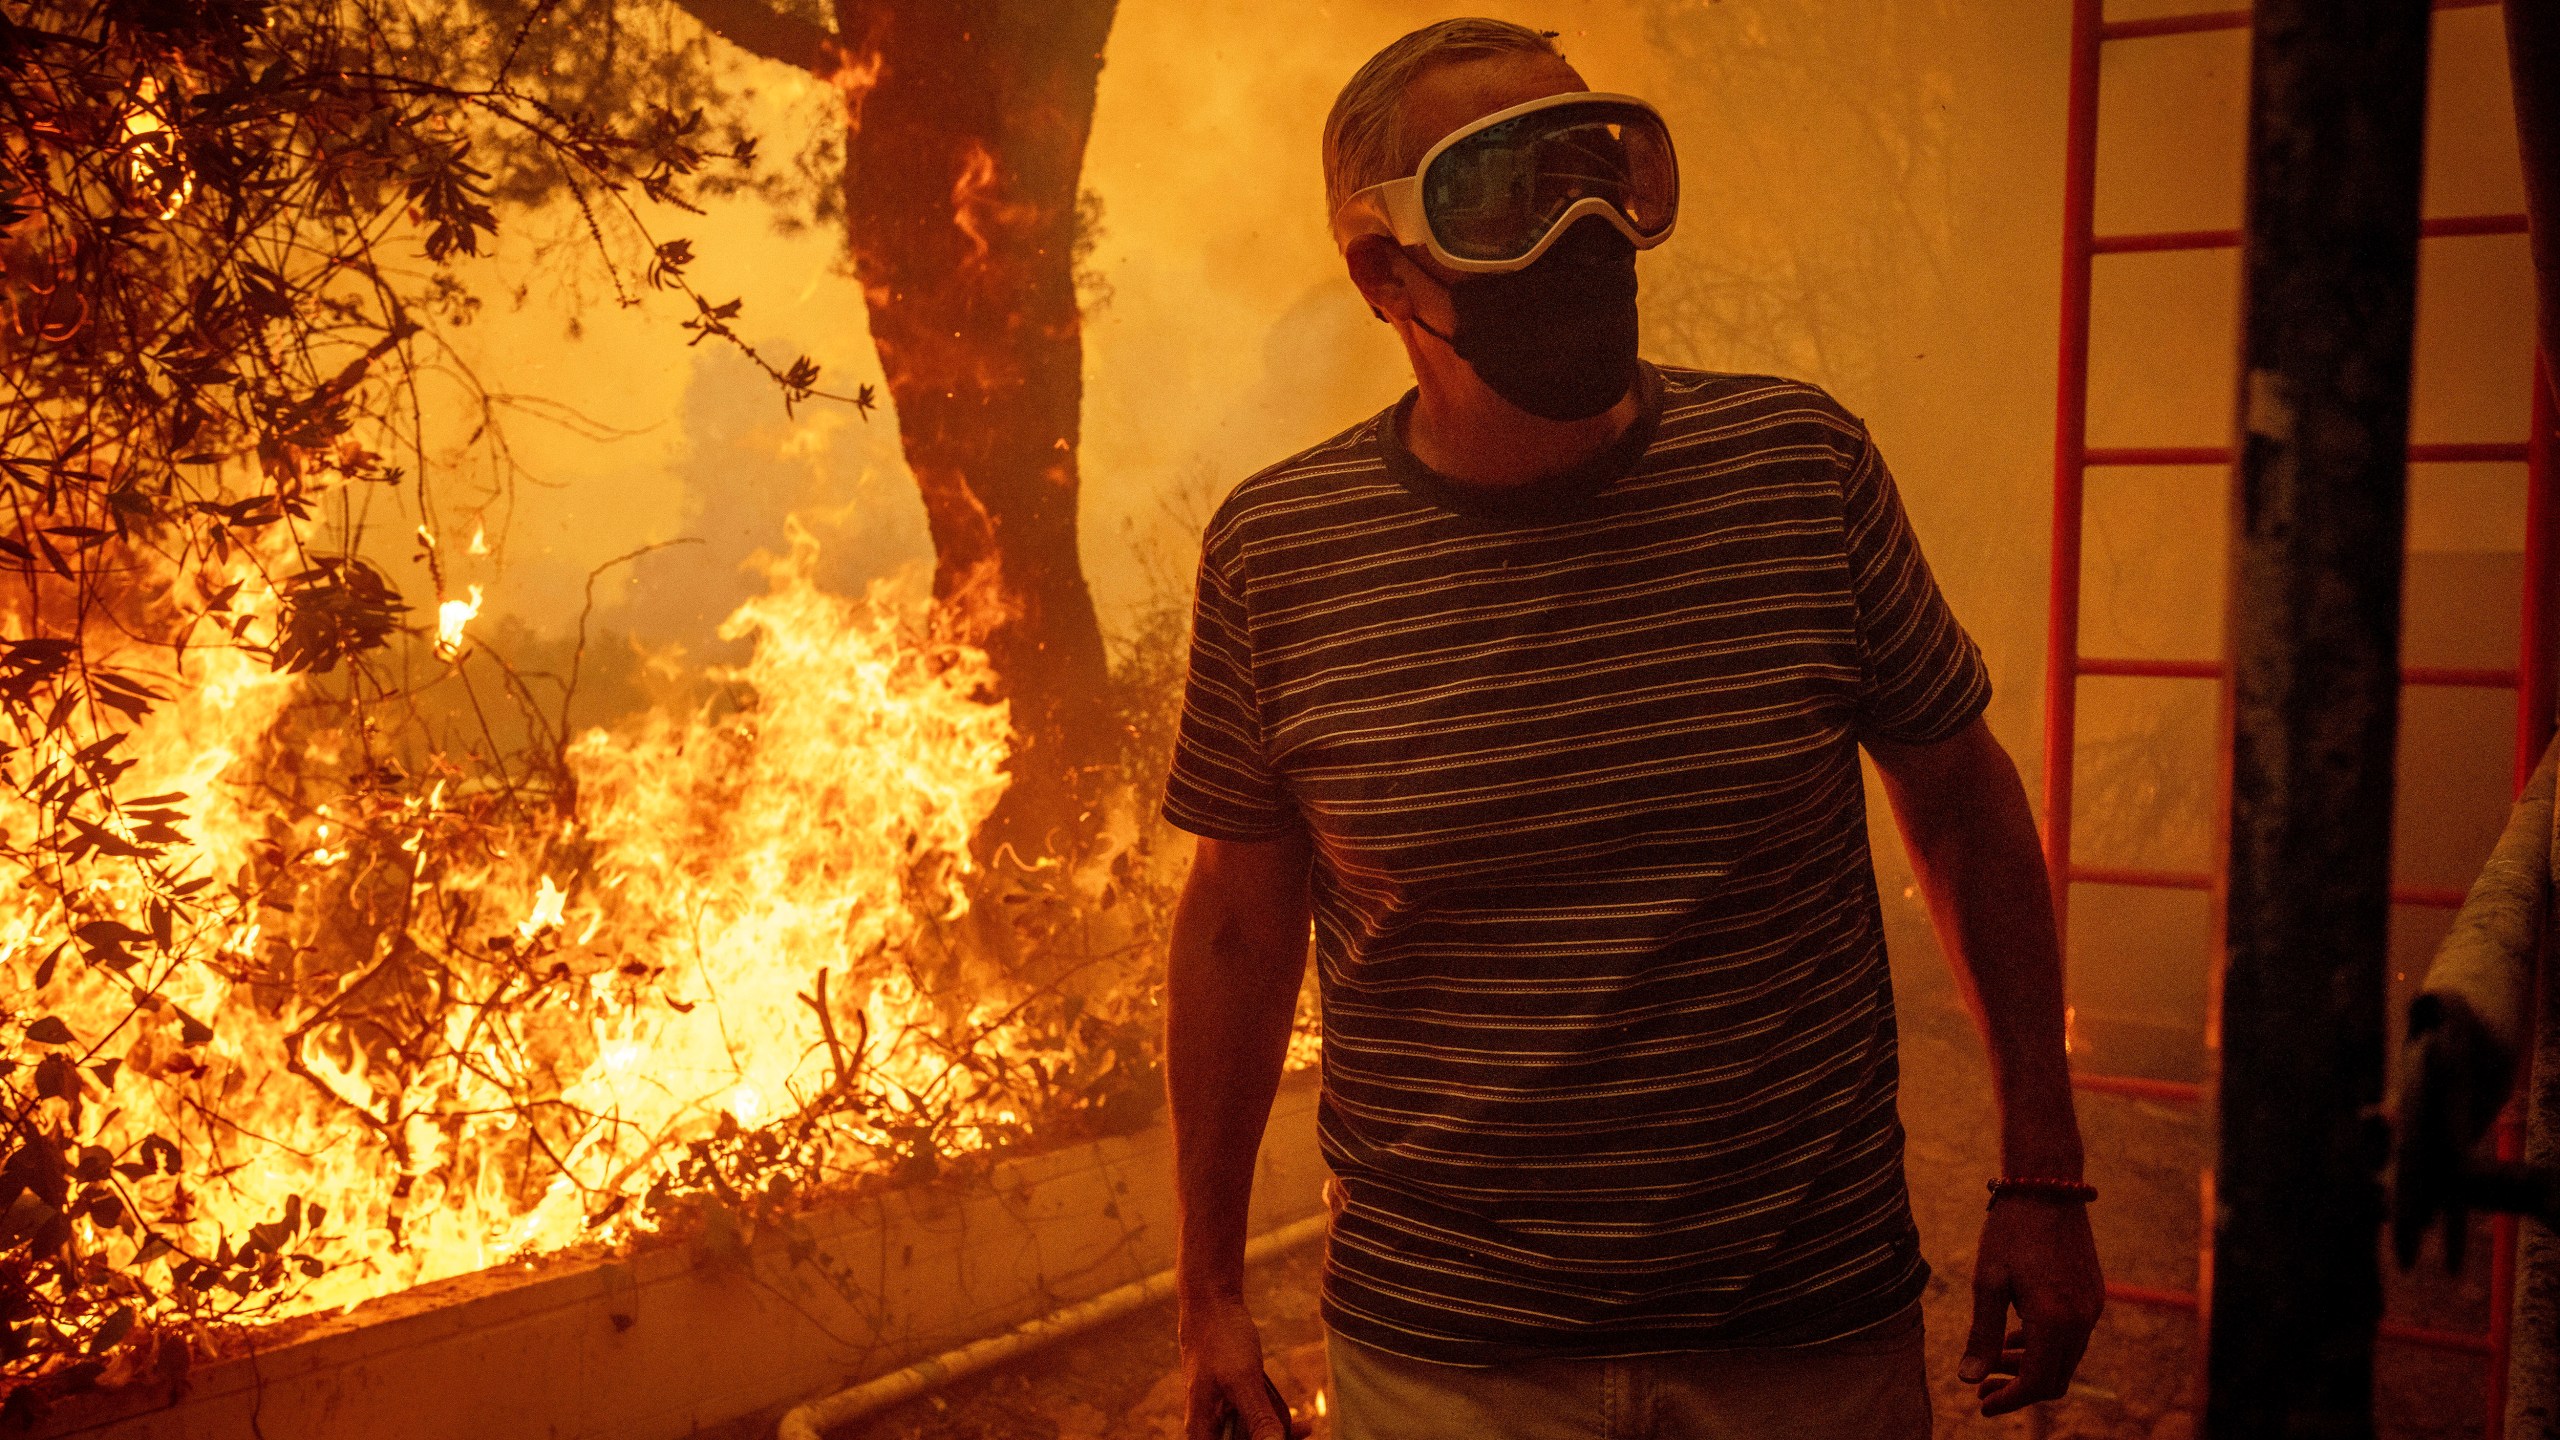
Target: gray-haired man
[(1541, 694)]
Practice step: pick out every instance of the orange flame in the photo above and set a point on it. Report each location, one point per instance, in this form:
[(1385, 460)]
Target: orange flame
[(978, 208), (451, 617), (151, 152), (718, 866), (972, 196), (855, 77)]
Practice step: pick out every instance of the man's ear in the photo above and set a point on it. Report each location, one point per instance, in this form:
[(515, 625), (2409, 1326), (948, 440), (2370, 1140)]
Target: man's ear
[(1373, 261)]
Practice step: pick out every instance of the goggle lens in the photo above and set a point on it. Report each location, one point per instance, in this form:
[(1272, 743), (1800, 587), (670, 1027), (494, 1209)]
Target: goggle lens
[(1495, 194)]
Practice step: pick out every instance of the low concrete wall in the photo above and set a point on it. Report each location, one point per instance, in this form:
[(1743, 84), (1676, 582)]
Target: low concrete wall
[(677, 1342)]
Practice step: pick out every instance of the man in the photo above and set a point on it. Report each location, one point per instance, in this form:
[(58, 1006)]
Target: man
[(1542, 694)]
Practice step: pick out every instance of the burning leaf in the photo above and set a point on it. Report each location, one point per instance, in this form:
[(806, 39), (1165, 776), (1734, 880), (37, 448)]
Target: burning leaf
[(337, 609), (27, 1215), (106, 1208), (151, 153), (110, 932), (117, 1326)]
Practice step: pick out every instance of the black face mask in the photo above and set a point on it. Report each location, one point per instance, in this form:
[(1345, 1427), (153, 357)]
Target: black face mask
[(1557, 337)]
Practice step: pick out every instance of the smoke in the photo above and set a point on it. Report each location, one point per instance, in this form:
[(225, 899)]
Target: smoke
[(745, 469), (1865, 206)]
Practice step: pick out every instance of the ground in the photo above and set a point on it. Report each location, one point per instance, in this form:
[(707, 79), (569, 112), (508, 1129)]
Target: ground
[(2139, 1381)]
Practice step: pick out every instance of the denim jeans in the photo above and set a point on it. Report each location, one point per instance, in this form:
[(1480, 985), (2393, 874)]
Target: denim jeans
[(1869, 1387)]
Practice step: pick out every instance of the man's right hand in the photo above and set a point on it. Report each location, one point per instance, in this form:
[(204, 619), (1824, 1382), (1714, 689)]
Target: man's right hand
[(1222, 1375)]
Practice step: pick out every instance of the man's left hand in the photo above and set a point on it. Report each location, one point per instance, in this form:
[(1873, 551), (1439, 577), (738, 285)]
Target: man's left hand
[(2038, 1258)]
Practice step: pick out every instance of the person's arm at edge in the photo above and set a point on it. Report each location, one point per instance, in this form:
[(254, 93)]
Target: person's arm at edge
[(1974, 850), (1238, 954)]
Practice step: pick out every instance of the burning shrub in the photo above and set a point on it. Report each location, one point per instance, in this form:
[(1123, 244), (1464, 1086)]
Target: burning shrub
[(725, 958), (299, 1005), (301, 1002)]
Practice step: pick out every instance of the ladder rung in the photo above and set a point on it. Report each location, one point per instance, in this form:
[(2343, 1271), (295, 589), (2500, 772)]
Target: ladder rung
[(2145, 241), (2156, 455), (2159, 25), (2487, 452), (2457, 452), (2141, 879), (2443, 677), (2461, 1342), (2446, 227), (2155, 1298), (2208, 20), (2425, 1337), (2140, 1087), (2459, 677), (2150, 669), (2441, 227), (2420, 897)]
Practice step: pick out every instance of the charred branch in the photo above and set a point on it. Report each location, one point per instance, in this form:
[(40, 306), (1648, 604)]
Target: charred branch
[(771, 34)]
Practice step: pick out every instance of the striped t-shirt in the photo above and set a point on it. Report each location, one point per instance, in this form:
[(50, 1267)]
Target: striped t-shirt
[(1608, 1033)]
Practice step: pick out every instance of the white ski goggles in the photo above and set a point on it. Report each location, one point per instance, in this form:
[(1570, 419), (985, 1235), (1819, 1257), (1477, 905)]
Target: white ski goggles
[(1494, 195)]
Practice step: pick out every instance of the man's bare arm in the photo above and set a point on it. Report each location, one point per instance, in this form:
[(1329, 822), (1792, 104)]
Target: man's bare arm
[(1231, 991), (1973, 848)]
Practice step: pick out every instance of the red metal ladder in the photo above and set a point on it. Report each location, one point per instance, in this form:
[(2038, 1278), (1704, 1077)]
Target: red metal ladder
[(2530, 678)]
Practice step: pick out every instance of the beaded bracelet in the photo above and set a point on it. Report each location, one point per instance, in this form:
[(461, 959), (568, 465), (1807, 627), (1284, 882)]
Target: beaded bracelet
[(2044, 1187)]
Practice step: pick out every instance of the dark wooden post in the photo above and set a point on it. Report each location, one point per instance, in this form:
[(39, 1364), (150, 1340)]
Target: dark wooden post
[(2336, 128)]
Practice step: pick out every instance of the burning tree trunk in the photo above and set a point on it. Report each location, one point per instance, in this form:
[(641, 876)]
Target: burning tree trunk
[(966, 123)]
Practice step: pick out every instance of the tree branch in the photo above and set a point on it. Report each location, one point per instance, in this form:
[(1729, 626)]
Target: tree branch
[(760, 29)]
